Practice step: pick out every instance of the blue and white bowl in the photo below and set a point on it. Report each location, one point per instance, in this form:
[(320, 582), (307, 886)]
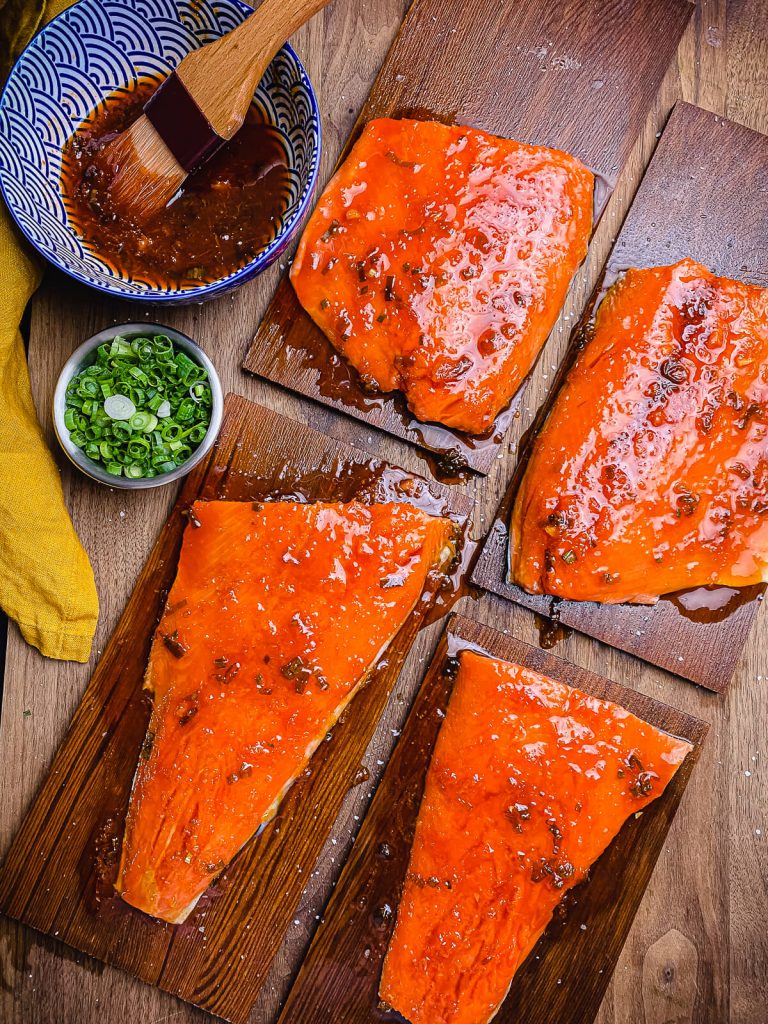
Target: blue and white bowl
[(85, 54)]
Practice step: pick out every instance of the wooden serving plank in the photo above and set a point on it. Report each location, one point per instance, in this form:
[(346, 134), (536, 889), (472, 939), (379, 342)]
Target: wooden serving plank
[(705, 195), (576, 75), (565, 977), (59, 874)]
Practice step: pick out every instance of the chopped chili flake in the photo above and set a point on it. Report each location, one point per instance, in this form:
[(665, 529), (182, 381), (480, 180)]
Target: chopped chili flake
[(174, 645), (331, 230), (292, 668), (229, 674)]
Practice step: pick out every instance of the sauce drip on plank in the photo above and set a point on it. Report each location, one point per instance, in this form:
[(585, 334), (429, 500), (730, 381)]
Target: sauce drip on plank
[(224, 215)]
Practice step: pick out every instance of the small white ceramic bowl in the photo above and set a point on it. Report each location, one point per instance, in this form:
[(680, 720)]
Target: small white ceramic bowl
[(84, 356)]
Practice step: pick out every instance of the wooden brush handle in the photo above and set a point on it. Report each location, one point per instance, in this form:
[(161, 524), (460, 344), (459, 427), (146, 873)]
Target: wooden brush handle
[(222, 76)]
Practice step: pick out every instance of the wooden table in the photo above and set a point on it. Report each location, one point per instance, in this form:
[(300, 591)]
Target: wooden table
[(698, 951)]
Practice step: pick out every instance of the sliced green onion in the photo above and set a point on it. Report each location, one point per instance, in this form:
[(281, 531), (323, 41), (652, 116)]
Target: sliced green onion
[(121, 429), (186, 410), (170, 430), (142, 347), (119, 407), (88, 388), (144, 421), (138, 448), (184, 363), (197, 433), (121, 347), (162, 345)]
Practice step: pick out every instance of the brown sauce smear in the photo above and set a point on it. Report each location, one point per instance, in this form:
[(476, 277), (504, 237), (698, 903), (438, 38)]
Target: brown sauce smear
[(224, 215), (713, 604), (449, 452)]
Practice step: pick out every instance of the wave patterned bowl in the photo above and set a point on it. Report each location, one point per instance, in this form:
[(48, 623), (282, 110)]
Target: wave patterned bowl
[(96, 48)]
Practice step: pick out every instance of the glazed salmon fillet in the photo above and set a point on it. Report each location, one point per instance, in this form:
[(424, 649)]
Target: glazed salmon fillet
[(437, 261), (651, 473), (276, 616), (530, 780)]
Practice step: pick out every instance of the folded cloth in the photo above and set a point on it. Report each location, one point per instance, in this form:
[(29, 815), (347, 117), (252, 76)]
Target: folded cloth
[(46, 580), (19, 20)]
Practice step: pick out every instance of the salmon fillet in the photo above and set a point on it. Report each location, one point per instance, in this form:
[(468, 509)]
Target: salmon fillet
[(529, 782), (437, 261), (651, 473), (277, 614)]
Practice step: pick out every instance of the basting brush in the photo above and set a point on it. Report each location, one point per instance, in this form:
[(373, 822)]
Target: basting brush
[(196, 110)]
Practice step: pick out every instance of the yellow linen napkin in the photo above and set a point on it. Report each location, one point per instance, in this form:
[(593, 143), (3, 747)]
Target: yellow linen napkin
[(19, 20), (46, 581)]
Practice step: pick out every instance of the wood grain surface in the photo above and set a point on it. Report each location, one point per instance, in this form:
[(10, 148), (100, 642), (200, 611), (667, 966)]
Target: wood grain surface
[(564, 978), (716, 173), (697, 952), (60, 872), (576, 75)]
